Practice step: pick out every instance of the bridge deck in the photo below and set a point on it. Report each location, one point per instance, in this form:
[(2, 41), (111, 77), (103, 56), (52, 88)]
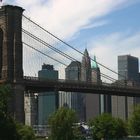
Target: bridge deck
[(34, 84)]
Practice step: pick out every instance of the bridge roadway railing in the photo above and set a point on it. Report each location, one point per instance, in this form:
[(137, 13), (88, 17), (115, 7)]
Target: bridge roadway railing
[(37, 84)]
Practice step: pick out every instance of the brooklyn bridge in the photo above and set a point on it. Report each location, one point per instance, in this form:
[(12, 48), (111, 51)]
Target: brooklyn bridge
[(25, 46)]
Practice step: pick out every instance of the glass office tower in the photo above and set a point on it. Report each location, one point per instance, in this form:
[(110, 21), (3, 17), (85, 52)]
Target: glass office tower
[(47, 101), (128, 70)]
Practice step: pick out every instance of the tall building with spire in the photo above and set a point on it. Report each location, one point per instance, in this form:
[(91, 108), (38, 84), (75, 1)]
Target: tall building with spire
[(96, 79), (95, 72), (86, 67), (86, 76), (102, 101), (90, 74)]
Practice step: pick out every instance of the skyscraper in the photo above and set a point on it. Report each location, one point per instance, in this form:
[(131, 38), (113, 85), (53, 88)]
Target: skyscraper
[(128, 71), (128, 68), (73, 100), (86, 67), (89, 74), (31, 109), (95, 72), (47, 101), (86, 76), (96, 79)]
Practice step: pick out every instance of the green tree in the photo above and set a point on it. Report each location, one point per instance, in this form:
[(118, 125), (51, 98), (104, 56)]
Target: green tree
[(61, 124), (105, 126), (78, 133), (9, 128), (134, 122), (7, 124), (25, 132), (4, 98), (120, 128)]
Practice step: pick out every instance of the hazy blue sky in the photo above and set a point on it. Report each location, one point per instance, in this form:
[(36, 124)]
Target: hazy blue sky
[(107, 28)]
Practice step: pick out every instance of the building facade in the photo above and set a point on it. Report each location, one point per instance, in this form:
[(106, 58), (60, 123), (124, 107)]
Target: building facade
[(86, 105), (88, 74), (86, 67), (96, 79), (73, 100), (128, 68), (128, 71), (95, 72), (31, 109), (47, 101), (86, 77)]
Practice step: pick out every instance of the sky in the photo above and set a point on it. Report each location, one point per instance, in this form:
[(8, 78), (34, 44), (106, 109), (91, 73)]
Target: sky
[(107, 28)]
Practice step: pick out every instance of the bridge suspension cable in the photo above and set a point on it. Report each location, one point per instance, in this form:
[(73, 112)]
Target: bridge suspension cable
[(49, 46), (72, 47), (44, 54), (58, 51)]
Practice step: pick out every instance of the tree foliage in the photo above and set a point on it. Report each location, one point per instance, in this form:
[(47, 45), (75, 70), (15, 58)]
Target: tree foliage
[(25, 132), (134, 122), (7, 124), (105, 126), (61, 123), (78, 135), (120, 128), (9, 128), (4, 98)]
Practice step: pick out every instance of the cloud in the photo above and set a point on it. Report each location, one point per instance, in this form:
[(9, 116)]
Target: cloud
[(66, 17), (96, 24), (110, 46)]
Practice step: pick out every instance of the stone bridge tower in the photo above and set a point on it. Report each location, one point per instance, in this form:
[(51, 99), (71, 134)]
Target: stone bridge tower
[(11, 69)]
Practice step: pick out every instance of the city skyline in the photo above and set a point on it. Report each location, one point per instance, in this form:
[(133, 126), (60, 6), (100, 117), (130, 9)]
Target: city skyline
[(106, 28), (12, 70)]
